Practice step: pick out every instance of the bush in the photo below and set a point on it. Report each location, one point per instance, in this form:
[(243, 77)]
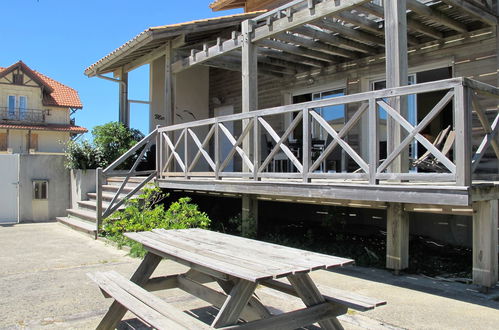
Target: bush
[(114, 139), (147, 213), (83, 156), (110, 141)]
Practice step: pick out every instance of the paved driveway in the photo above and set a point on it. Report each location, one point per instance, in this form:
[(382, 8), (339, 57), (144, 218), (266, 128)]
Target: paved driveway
[(43, 285)]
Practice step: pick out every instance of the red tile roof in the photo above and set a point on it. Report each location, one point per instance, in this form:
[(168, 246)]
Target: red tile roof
[(59, 128), (57, 94)]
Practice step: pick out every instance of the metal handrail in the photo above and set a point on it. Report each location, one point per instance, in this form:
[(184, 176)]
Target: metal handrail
[(22, 114)]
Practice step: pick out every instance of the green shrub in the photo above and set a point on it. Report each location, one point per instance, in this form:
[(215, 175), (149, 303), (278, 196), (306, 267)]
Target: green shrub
[(110, 141), (114, 139), (147, 213), (83, 156)]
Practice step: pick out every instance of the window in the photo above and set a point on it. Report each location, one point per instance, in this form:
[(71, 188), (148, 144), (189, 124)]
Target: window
[(18, 78), (40, 189), (334, 114), (11, 105)]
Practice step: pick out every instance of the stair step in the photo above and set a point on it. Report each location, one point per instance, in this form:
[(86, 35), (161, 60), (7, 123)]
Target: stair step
[(91, 205), (106, 197), (79, 225), (115, 188), (82, 214), (134, 181)]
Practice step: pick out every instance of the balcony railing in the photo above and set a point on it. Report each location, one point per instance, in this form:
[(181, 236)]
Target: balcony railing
[(20, 115), (374, 117)]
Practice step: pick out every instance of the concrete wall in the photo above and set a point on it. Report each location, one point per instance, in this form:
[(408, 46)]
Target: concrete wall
[(43, 167), (82, 183)]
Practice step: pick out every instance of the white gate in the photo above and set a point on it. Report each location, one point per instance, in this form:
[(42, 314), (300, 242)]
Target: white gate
[(9, 188)]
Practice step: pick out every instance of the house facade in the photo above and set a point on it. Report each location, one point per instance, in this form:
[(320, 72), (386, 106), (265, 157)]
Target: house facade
[(35, 125), (386, 105)]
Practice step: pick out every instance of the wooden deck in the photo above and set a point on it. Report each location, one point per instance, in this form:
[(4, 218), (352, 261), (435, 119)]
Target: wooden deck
[(333, 190)]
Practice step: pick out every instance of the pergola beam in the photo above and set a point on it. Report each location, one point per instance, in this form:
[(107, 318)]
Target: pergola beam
[(435, 15), (290, 57), (473, 10), (297, 50), (302, 17), (412, 23), (316, 45), (329, 24), (368, 25), (335, 40)]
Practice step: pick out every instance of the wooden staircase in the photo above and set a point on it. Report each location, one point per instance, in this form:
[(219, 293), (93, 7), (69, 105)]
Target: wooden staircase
[(84, 217)]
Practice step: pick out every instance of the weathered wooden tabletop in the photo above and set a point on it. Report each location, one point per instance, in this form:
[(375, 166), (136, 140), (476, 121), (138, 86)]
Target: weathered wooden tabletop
[(235, 256)]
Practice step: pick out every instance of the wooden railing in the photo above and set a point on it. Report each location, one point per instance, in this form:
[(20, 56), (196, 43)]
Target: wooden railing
[(137, 152), (195, 149)]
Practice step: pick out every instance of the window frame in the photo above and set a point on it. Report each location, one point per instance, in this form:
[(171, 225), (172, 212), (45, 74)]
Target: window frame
[(38, 194)]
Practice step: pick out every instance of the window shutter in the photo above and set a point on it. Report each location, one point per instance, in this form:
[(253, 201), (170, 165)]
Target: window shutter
[(33, 141), (3, 142)]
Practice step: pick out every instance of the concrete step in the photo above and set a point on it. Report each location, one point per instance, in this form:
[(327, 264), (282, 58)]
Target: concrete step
[(115, 188), (82, 214), (91, 205), (79, 225), (132, 182), (106, 197)]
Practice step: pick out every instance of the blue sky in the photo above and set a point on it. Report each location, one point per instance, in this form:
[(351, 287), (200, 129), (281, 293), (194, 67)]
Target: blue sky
[(60, 38)]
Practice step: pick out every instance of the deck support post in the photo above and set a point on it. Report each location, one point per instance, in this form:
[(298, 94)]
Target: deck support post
[(249, 216), (124, 107), (396, 75), (485, 265), (397, 237), (249, 75)]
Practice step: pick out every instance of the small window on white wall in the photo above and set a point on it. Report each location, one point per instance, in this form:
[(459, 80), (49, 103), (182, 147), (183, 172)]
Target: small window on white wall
[(40, 189)]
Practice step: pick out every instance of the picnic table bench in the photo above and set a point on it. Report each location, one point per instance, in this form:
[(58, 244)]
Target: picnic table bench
[(238, 265)]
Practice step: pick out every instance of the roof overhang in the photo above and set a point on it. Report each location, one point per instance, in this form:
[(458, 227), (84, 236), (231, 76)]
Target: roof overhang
[(138, 50)]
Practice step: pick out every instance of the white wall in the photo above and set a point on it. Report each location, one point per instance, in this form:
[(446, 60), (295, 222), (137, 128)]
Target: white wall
[(48, 141)]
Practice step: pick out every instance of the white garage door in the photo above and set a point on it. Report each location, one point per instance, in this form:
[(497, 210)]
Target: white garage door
[(9, 183)]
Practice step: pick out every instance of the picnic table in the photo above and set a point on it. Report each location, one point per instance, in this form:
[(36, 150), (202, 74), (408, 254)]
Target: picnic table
[(238, 265)]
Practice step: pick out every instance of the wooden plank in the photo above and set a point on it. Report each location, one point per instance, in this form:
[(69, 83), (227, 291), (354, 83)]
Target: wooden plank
[(293, 320), (310, 295), (266, 252), (397, 237), (485, 242), (137, 307), (140, 277), (190, 257), (488, 139), (337, 296), (218, 252), (201, 148), (373, 141), (316, 45), (235, 303), (235, 146), (212, 296), (153, 302), (354, 34), (297, 50)]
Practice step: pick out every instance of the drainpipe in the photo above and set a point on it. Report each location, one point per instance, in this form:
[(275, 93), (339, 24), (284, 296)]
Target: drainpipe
[(124, 116)]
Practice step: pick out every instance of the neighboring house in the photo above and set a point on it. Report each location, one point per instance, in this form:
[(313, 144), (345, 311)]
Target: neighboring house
[(35, 125), (322, 86)]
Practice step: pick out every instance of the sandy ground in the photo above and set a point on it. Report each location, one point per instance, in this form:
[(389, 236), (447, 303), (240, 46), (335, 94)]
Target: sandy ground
[(43, 285)]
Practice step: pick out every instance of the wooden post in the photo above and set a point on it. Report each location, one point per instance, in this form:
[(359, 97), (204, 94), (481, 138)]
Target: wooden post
[(397, 237), (169, 97), (462, 126), (396, 74), (98, 199), (124, 110), (249, 216), (485, 268), (249, 74)]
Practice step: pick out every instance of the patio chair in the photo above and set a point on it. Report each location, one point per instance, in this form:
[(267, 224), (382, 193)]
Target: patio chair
[(428, 161)]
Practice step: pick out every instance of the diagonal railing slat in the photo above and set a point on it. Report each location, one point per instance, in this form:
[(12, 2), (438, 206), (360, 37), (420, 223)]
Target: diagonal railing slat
[(235, 146), (355, 156), (427, 144), (201, 147)]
